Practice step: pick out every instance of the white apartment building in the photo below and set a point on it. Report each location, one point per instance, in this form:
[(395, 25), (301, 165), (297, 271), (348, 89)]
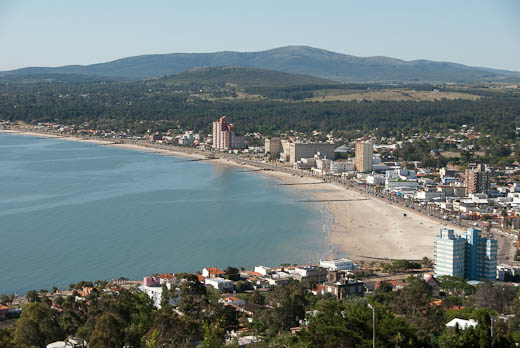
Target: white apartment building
[(187, 138), (323, 164), (375, 179), (220, 284), (341, 167)]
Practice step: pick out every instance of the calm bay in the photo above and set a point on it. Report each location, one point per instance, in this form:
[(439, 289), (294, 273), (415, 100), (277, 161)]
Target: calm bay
[(72, 211)]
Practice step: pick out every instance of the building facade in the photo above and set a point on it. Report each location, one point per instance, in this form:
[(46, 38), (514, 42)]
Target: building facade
[(224, 138), (364, 154), (468, 255), (273, 147), (449, 252), (344, 288), (293, 152), (338, 264), (481, 255), (478, 180)]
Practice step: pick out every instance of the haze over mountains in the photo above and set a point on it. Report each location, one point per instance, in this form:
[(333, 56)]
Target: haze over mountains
[(291, 59)]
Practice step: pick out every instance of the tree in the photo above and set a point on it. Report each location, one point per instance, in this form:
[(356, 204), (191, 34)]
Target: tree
[(426, 262), (165, 298), (350, 325), (32, 296), (37, 326), (384, 287), (108, 332), (6, 338), (232, 273), (287, 304), (413, 303), (4, 299), (173, 330), (213, 336), (499, 298), (193, 297)]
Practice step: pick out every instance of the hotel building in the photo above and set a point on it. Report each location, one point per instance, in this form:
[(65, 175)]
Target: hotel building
[(224, 138)]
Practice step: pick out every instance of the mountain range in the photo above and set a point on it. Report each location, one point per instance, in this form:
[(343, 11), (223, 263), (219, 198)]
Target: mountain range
[(290, 59)]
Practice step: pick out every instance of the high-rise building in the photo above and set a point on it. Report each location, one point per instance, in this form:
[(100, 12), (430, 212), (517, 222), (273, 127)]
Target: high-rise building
[(469, 255), (481, 255), (478, 179), (449, 252), (224, 138), (273, 147), (364, 154)]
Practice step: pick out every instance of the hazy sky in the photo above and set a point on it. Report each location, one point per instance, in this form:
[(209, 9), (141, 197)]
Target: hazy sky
[(62, 32)]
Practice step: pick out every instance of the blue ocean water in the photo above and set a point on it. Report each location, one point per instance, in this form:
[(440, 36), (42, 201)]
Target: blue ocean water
[(73, 211)]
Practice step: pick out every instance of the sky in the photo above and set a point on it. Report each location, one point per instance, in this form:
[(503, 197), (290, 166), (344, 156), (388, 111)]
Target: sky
[(65, 32)]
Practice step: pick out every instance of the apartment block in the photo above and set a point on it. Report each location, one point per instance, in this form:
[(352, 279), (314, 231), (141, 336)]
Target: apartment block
[(364, 154), (481, 255), (273, 147), (449, 252), (224, 138), (468, 255), (293, 152), (478, 180)]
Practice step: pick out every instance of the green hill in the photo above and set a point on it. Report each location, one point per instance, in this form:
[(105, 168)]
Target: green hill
[(242, 77)]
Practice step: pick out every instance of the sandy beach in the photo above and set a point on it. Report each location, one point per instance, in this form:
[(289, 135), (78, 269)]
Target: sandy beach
[(362, 226)]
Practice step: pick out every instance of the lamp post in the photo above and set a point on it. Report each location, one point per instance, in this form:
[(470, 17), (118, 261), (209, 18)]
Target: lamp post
[(373, 325)]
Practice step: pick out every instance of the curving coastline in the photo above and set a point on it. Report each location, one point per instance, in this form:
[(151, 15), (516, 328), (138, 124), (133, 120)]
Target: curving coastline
[(361, 227)]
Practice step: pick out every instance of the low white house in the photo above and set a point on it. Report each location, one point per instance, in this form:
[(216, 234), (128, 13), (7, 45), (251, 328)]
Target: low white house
[(338, 264), (71, 342), (220, 284), (462, 323), (263, 270), (59, 344), (212, 272)]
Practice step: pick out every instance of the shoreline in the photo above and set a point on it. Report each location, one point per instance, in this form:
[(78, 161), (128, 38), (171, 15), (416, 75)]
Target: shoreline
[(360, 227)]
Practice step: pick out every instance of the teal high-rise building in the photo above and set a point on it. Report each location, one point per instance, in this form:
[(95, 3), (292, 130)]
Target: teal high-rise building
[(469, 255), (449, 251)]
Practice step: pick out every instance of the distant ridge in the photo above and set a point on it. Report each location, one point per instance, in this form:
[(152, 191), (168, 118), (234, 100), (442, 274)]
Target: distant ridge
[(291, 59)]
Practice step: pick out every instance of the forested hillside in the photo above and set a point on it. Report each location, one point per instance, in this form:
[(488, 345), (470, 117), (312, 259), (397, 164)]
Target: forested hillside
[(121, 105)]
